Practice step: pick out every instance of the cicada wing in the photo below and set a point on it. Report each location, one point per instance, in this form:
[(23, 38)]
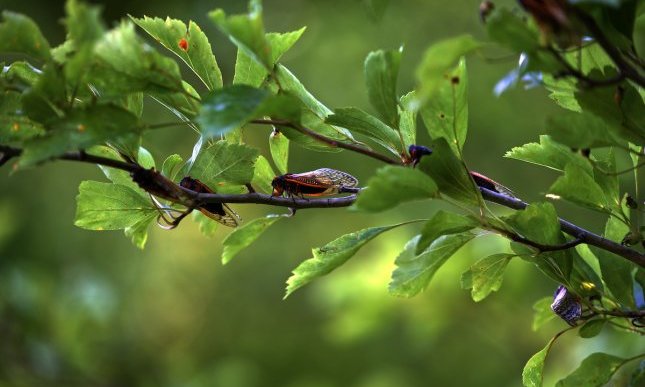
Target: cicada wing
[(339, 178), (228, 219)]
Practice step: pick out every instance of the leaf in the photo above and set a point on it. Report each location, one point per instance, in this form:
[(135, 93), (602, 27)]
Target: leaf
[(225, 163), (290, 84), (207, 226), (332, 255), (187, 42), (414, 272), (486, 275), (263, 175), (279, 146), (316, 124), (226, 109), (246, 31), (249, 72), (449, 174), (539, 223), (511, 30), (569, 186), (596, 370), (81, 129), (580, 130), (20, 34), (185, 105), (443, 223), (446, 113), (138, 232), (616, 271), (105, 206), (533, 369), (381, 70), (407, 120), (393, 185), (542, 312), (592, 328), (358, 121), (548, 154), (170, 166), (437, 62), (243, 236)]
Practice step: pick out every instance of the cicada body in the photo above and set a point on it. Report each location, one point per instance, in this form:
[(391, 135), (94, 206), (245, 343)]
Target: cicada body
[(219, 212), (321, 182)]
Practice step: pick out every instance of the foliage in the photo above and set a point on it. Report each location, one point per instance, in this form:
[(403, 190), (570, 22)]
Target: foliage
[(86, 96)]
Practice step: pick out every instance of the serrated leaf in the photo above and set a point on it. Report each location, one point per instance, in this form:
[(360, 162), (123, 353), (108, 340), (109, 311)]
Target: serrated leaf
[(549, 154), (438, 60), (407, 120), (393, 185), (486, 275), (246, 31), (449, 173), (15, 128), (279, 146), (20, 34), (446, 113), (511, 30), (533, 369), (381, 70), (443, 223), (81, 129), (106, 206), (596, 370), (170, 166), (187, 42), (414, 272), (332, 255), (542, 312), (263, 175), (358, 121), (580, 130), (138, 232), (243, 236), (568, 187), (249, 72), (592, 328), (225, 163), (616, 271)]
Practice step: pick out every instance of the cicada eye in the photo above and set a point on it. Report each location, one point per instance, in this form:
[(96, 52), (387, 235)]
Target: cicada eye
[(566, 305)]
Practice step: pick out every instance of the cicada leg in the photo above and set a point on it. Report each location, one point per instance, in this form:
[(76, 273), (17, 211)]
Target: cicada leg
[(165, 212)]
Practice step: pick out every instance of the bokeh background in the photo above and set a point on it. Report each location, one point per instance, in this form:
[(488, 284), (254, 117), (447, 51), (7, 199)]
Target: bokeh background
[(82, 308)]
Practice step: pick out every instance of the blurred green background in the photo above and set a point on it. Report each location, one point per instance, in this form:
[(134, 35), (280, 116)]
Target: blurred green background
[(81, 308)]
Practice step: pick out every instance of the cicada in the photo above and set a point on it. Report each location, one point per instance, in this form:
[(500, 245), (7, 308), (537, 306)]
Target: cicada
[(321, 182), (488, 183), (219, 212)]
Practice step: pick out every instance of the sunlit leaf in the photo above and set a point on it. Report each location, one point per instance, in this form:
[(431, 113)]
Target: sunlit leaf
[(171, 166), (533, 369), (596, 370), (381, 70), (568, 187), (393, 185), (243, 236), (486, 275), (443, 223), (279, 146), (548, 154), (407, 120), (332, 255), (224, 163), (263, 175), (542, 312), (414, 272)]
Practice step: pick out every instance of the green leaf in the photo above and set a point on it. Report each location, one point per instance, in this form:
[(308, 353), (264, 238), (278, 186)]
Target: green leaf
[(290, 84), (569, 185), (616, 271), (393, 185), (486, 275), (279, 146), (249, 72), (512, 30), (596, 370), (332, 255), (125, 64), (226, 109), (20, 34), (313, 122), (381, 70), (580, 130), (414, 272), (15, 128), (187, 42), (246, 32), (358, 121), (450, 174), (81, 129), (437, 62), (533, 369), (539, 223), (542, 312), (263, 175), (138, 232), (171, 166), (225, 163), (243, 236), (443, 223), (549, 154), (592, 328), (106, 206), (207, 226), (407, 120), (446, 113)]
